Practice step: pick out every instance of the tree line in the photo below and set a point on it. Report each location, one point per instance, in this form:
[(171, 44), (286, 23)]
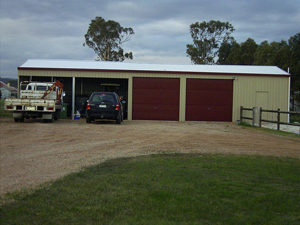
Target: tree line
[(212, 43)]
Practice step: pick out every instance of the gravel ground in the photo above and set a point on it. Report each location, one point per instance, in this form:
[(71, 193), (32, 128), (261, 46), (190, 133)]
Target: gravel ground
[(32, 153)]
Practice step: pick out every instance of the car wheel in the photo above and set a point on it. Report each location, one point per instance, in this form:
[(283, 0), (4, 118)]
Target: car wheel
[(118, 121)]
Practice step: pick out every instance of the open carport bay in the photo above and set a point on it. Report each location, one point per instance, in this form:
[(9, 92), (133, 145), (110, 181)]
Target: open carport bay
[(84, 87), (33, 153)]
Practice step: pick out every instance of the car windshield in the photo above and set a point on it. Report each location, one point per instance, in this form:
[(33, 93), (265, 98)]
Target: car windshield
[(102, 97)]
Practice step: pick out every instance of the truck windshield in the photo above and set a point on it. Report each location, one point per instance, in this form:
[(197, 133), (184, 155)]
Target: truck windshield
[(41, 88)]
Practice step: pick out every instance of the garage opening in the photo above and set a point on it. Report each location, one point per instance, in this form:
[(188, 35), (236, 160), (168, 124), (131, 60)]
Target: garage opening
[(86, 86), (83, 89), (155, 98), (209, 100)]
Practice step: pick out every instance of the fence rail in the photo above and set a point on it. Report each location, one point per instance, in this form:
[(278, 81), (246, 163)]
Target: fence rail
[(261, 111)]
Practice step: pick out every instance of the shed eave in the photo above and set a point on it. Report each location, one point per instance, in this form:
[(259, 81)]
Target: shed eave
[(153, 71)]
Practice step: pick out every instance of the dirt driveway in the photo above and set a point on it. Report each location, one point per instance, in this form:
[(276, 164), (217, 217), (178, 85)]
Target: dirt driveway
[(32, 153)]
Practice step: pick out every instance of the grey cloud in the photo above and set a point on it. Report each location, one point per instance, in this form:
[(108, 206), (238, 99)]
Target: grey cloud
[(55, 28)]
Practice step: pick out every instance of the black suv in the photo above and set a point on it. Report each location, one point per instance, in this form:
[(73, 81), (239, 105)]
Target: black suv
[(104, 105)]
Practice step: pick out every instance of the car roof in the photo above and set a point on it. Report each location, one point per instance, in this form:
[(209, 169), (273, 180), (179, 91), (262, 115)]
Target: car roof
[(104, 92)]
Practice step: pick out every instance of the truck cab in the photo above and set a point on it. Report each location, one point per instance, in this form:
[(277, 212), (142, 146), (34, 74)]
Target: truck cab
[(35, 90)]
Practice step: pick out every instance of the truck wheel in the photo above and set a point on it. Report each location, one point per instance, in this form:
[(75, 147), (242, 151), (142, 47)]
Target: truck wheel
[(56, 115), (16, 120), (21, 119)]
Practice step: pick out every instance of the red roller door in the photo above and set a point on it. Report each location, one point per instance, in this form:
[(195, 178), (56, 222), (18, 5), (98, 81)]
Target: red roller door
[(155, 98), (209, 100)]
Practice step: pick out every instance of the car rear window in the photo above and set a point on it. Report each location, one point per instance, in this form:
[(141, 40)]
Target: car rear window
[(103, 97)]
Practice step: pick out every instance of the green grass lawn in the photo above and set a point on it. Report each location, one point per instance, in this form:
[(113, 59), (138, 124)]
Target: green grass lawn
[(167, 189)]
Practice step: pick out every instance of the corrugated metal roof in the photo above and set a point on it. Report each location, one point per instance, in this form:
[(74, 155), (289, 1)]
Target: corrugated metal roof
[(115, 66)]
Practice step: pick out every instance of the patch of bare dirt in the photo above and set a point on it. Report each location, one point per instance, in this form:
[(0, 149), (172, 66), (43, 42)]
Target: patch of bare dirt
[(32, 153)]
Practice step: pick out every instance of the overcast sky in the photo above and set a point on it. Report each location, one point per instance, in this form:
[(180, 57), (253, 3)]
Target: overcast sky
[(54, 29)]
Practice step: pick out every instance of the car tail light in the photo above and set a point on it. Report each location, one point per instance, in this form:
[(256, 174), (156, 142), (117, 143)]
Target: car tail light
[(117, 107), (9, 107), (50, 108), (88, 106)]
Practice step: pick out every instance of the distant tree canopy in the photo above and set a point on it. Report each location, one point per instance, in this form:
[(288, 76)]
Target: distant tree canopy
[(283, 54), (207, 38), (106, 38), (213, 44), (250, 53)]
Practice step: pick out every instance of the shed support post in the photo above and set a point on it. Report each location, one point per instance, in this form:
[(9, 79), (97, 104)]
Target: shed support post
[(182, 99), (73, 97), (18, 94)]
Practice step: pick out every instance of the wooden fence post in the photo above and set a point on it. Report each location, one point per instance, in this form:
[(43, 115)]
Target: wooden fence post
[(260, 115), (241, 114), (253, 115), (278, 119)]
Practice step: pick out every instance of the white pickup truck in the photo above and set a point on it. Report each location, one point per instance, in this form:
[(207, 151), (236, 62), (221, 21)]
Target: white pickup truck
[(37, 100)]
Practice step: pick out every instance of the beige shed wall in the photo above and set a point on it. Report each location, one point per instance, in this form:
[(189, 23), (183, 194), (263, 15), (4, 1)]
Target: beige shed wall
[(266, 92), (269, 92)]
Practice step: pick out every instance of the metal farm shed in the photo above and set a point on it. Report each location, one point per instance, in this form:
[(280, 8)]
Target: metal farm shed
[(169, 92)]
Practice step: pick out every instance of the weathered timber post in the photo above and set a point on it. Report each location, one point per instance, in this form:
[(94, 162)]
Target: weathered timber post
[(278, 119), (241, 114), (253, 116), (260, 116)]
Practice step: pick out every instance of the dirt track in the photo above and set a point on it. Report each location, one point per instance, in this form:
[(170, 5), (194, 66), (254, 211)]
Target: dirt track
[(32, 153)]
